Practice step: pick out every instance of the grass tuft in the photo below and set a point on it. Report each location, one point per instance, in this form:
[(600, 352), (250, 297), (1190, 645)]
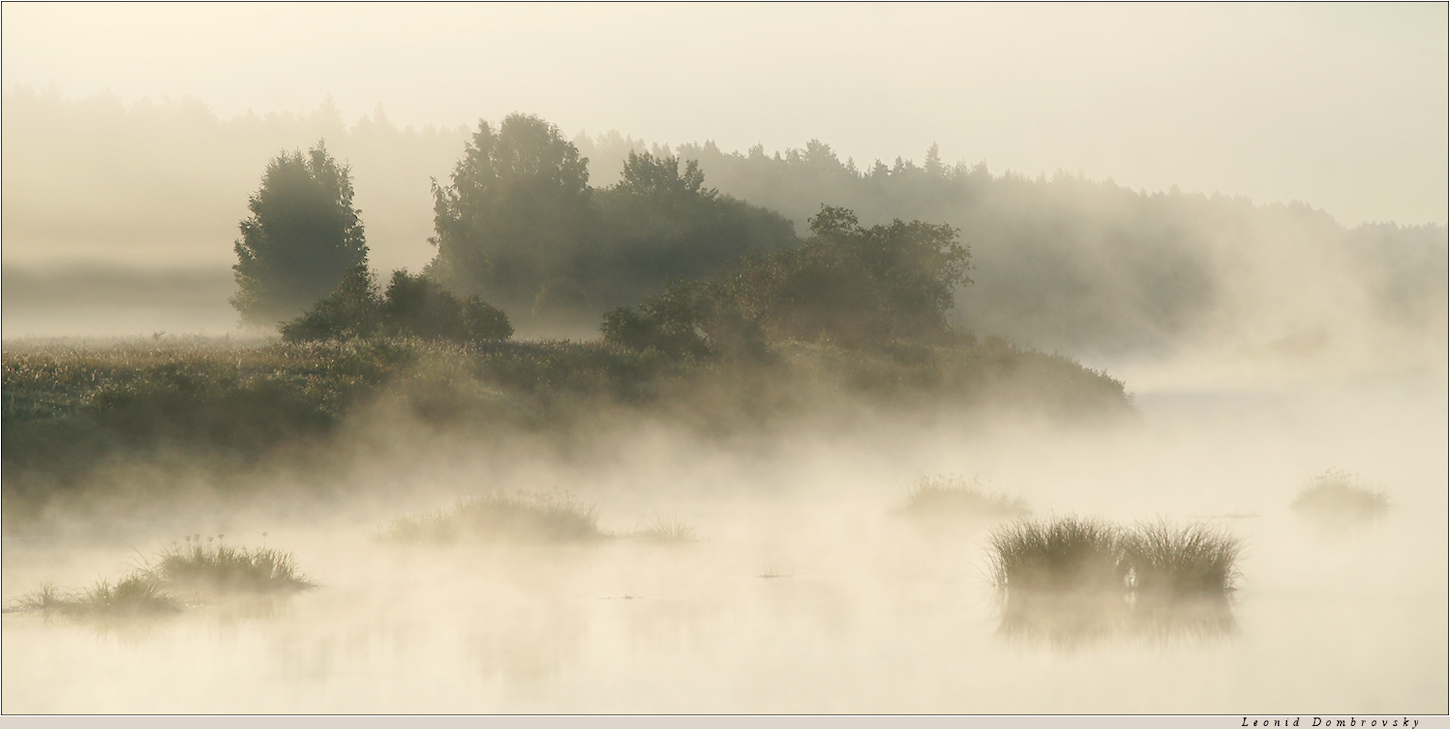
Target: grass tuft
[(501, 515), (1193, 562), (220, 569), (1341, 497), (1069, 554), (139, 594), (667, 529), (957, 497), (1076, 580)]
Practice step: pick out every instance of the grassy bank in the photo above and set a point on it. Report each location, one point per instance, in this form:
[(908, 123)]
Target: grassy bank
[(229, 407)]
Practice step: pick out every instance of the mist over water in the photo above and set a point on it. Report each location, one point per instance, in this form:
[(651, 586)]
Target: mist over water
[(673, 447), (804, 593)]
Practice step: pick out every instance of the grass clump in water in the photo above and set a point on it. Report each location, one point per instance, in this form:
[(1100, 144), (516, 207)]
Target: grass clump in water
[(1066, 555), (667, 529), (223, 569), (1338, 496), (1075, 580), (139, 594), (957, 497), (1196, 561), (501, 516)]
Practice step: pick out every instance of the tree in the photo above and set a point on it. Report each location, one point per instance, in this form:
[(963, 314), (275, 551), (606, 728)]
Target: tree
[(300, 238), (516, 206)]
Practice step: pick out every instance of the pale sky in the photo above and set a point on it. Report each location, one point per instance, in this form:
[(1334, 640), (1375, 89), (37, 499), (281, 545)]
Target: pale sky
[(1342, 106)]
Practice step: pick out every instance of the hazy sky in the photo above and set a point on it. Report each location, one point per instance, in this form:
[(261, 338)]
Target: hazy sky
[(1342, 106)]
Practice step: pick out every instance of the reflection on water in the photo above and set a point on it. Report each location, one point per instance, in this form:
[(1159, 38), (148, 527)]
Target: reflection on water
[(1077, 621)]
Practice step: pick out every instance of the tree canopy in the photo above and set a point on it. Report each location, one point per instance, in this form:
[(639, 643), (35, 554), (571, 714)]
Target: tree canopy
[(302, 234), (516, 203)]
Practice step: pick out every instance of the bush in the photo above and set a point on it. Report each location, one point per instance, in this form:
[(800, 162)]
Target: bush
[(412, 306)]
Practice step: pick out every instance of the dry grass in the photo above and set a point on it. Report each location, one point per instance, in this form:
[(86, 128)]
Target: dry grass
[(956, 497), (501, 516), (1338, 496)]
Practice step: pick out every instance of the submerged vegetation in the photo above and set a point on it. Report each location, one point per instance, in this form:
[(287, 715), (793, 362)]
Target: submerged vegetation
[(1340, 497), (501, 516)]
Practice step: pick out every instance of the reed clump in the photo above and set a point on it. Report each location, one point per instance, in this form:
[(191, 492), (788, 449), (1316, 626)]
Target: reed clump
[(219, 568), (1338, 496), (957, 497), (501, 516), (197, 568), (672, 529), (1074, 580), (139, 594), (1196, 561)]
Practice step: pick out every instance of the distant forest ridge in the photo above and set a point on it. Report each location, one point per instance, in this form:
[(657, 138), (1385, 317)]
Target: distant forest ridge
[(1061, 262)]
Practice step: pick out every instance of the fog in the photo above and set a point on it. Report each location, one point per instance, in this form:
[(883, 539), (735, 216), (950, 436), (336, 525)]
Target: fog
[(1209, 270)]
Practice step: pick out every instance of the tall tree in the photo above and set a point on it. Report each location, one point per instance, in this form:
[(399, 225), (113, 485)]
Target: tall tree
[(516, 207), (302, 236)]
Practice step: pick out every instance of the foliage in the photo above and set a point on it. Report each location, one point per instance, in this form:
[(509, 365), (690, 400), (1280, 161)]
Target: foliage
[(847, 285), (520, 223), (301, 237), (413, 306), (517, 201)]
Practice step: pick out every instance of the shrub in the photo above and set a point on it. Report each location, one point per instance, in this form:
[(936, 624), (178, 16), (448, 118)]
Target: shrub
[(412, 306)]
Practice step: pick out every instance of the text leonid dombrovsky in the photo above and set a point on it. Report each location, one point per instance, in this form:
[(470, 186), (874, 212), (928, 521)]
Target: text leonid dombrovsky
[(1334, 722)]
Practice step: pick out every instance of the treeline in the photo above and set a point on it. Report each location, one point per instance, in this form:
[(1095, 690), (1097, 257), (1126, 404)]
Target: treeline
[(1065, 263)]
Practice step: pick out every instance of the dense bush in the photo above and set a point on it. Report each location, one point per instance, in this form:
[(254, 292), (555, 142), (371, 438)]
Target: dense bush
[(847, 285), (413, 306)]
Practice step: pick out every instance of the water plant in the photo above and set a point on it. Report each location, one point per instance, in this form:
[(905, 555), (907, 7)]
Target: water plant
[(220, 568), (501, 515), (1074, 580), (1338, 496), (954, 496), (673, 529), (1066, 554), (1196, 561), (139, 594)]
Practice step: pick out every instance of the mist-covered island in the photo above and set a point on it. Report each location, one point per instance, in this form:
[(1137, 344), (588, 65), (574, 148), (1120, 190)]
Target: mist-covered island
[(308, 416)]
